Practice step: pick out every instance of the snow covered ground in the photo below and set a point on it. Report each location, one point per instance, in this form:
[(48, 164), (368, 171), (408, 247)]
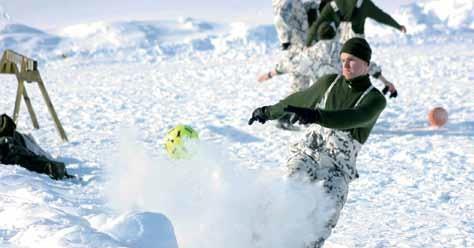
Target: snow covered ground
[(122, 86)]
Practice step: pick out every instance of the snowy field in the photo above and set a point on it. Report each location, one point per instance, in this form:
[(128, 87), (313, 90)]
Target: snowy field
[(415, 187)]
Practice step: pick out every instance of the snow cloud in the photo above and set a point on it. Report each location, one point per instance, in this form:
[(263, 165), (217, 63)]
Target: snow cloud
[(214, 202)]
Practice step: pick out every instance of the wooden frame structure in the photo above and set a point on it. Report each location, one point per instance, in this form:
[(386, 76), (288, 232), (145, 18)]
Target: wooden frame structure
[(26, 69)]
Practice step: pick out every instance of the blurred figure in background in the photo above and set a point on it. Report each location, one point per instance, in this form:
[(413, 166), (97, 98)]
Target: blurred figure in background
[(349, 16)]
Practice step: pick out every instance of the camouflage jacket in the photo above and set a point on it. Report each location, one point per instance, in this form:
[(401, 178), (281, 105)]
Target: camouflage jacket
[(353, 11)]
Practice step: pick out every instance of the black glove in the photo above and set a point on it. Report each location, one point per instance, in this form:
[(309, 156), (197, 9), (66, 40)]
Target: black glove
[(303, 115), (285, 46), (260, 115), (392, 94)]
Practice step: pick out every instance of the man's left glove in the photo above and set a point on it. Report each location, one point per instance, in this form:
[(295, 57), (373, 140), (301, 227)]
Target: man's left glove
[(260, 115), (303, 115), (392, 94)]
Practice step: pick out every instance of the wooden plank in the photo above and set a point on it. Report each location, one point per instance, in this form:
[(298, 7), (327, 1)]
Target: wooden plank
[(19, 94), (51, 110), (29, 106)]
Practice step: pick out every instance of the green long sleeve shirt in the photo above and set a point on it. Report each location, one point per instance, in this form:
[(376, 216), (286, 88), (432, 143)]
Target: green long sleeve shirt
[(339, 112), (350, 13)]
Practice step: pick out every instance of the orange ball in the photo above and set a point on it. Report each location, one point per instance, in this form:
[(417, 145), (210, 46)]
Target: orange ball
[(437, 117)]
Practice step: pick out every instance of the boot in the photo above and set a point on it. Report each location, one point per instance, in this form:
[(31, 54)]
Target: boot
[(55, 170)]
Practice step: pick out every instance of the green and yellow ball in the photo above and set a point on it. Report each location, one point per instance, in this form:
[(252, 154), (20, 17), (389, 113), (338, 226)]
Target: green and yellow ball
[(176, 139)]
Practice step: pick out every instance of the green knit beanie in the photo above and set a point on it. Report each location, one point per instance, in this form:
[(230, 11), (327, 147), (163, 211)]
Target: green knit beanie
[(326, 31), (359, 48)]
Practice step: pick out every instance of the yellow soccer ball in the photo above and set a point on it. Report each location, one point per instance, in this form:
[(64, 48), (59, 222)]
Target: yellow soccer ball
[(175, 141)]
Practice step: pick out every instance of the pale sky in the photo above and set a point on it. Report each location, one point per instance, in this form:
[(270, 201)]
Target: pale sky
[(49, 14)]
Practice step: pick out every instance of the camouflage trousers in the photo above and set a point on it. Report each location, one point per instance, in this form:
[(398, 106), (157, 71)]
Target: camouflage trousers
[(329, 156), (299, 81), (345, 32), (291, 21)]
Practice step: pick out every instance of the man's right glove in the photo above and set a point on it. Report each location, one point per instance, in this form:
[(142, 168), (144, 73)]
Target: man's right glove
[(392, 94), (260, 115), (303, 115), (285, 46)]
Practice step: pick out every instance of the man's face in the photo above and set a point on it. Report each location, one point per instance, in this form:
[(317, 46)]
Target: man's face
[(352, 66)]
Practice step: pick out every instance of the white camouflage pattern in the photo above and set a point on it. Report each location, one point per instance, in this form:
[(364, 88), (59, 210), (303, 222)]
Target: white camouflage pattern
[(327, 155), (291, 21), (374, 69), (328, 148), (309, 64), (319, 59), (287, 64), (345, 32), (306, 65)]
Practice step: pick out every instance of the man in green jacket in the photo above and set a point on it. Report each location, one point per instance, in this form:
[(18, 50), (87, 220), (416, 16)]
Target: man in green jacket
[(349, 16), (341, 111)]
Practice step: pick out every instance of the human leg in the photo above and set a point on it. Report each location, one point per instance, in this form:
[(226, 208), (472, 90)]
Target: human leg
[(290, 21), (336, 187)]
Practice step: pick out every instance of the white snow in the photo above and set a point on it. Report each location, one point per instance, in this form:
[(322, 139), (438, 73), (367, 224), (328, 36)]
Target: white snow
[(427, 18), (121, 86)]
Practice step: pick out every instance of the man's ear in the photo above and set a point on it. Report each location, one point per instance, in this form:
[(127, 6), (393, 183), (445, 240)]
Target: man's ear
[(367, 67)]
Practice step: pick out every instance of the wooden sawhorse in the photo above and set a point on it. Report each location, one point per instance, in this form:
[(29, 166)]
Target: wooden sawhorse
[(26, 69)]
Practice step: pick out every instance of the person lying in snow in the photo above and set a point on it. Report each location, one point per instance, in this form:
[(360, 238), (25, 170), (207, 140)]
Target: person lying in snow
[(20, 149), (341, 111)]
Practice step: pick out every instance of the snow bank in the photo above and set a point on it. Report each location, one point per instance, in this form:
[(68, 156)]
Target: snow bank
[(27, 40), (143, 37), (146, 40), (142, 229)]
